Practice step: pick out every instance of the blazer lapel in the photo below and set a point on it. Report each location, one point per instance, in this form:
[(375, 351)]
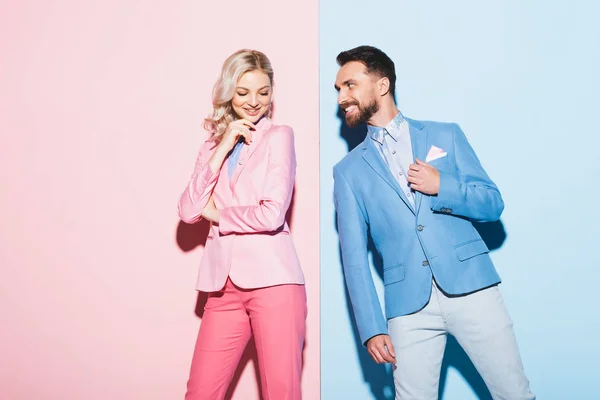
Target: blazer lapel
[(418, 139), (248, 150), (374, 159)]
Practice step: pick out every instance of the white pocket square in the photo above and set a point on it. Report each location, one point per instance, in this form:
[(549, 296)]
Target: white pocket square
[(435, 153)]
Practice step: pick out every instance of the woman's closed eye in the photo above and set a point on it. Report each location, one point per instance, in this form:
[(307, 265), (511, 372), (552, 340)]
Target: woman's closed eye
[(245, 94)]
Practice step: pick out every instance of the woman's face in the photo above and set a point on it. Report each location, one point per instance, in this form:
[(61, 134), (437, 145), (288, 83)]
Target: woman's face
[(252, 96)]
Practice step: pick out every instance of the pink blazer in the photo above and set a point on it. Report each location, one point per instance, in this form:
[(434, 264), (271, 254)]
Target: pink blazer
[(252, 242)]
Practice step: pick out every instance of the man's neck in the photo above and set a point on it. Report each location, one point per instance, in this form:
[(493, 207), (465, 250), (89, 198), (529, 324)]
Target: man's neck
[(386, 113)]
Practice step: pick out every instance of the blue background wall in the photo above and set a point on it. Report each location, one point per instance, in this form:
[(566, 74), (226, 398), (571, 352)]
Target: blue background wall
[(521, 78)]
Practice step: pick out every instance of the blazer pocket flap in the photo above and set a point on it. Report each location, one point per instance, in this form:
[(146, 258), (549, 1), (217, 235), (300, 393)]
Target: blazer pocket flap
[(393, 274), (471, 249), (441, 164)]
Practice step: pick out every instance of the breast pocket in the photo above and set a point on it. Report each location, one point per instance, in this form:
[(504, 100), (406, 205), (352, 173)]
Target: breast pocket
[(441, 164)]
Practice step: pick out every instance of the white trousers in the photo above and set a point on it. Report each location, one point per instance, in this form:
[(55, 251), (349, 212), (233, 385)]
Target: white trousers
[(481, 325)]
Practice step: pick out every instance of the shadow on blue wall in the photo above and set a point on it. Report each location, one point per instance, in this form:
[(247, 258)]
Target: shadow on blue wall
[(379, 377)]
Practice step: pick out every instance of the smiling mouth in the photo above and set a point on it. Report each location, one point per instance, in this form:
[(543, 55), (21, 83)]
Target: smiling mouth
[(350, 109), (252, 112)]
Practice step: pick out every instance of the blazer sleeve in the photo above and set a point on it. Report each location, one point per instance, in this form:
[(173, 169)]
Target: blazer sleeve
[(199, 189), (269, 214), (352, 230), (473, 195)]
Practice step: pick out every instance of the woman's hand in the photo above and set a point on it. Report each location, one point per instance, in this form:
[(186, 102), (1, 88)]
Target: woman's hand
[(210, 212), (237, 128)]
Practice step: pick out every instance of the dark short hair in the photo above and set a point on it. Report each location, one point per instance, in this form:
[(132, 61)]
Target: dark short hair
[(376, 61)]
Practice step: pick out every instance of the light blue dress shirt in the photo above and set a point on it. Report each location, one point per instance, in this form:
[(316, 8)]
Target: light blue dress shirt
[(234, 157), (395, 147)]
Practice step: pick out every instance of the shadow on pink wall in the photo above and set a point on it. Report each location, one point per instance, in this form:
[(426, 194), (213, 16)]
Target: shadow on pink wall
[(190, 236)]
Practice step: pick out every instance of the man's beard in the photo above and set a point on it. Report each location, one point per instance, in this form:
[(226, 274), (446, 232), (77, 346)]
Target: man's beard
[(363, 114)]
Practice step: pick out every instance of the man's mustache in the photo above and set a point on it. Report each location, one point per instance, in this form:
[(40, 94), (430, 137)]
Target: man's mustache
[(347, 104)]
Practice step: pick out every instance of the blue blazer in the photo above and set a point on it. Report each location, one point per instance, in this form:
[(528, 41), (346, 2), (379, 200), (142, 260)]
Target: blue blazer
[(436, 239)]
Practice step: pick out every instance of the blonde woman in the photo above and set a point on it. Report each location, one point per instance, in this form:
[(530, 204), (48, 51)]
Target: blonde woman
[(242, 183)]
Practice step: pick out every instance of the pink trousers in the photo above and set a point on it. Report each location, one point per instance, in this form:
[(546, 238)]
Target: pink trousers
[(276, 317)]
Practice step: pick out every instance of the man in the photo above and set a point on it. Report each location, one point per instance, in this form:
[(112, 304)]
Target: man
[(416, 187)]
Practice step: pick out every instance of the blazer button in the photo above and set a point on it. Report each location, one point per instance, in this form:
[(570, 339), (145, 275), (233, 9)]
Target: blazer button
[(241, 162), (425, 263), (420, 228), (448, 210)]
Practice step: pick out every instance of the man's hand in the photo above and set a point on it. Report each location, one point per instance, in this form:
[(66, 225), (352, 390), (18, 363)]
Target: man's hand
[(381, 349), (210, 212), (424, 178)]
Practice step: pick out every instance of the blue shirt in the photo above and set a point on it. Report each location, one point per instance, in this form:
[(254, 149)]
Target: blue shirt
[(395, 147), (234, 156)]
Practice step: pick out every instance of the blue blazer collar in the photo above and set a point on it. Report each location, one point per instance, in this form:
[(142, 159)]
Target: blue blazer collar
[(371, 155)]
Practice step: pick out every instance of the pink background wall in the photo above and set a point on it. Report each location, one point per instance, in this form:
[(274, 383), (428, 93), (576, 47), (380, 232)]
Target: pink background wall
[(101, 108)]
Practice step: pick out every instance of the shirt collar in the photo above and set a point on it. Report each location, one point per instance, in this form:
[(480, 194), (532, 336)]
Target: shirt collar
[(263, 123), (377, 133)]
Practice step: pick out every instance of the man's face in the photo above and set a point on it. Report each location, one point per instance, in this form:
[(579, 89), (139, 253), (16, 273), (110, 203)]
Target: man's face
[(357, 93)]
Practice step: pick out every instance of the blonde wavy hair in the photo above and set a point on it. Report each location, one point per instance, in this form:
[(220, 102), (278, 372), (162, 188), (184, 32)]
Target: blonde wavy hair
[(234, 67)]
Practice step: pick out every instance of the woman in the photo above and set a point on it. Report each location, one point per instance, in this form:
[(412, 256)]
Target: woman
[(242, 184)]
